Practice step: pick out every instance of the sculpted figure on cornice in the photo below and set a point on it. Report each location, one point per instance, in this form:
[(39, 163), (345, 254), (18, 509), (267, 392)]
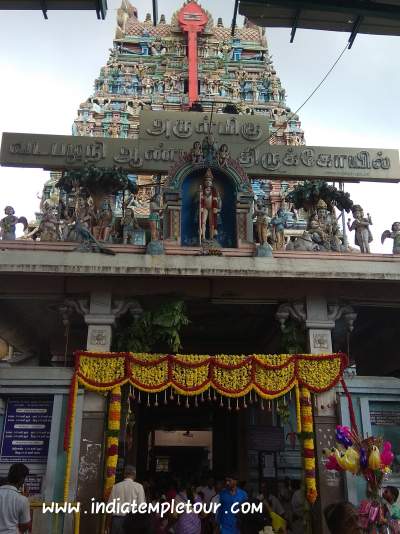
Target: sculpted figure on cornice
[(9, 222), (394, 234), (48, 229), (102, 222), (262, 222), (324, 229), (360, 225)]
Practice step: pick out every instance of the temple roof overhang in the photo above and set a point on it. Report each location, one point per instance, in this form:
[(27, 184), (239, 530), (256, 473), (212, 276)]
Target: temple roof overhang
[(27, 257), (100, 6), (369, 16)]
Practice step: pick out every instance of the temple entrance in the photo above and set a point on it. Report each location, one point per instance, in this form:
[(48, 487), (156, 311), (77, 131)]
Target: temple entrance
[(179, 443), (174, 443)]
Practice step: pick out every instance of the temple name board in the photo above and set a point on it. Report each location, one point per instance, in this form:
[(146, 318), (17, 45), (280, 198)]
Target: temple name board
[(187, 128), (148, 155)]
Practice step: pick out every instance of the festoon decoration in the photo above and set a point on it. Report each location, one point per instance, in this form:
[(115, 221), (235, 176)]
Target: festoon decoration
[(237, 379)]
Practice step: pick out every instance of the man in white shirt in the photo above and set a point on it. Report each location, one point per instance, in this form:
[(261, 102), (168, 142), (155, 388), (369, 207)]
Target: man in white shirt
[(208, 490), (15, 515), (127, 491)]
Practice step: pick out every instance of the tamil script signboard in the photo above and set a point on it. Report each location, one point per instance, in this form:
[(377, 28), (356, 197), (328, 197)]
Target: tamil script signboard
[(385, 418), (182, 129), (167, 137), (26, 432)]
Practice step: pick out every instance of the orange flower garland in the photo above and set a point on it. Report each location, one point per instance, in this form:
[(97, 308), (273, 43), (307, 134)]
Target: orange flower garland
[(114, 421), (308, 445)]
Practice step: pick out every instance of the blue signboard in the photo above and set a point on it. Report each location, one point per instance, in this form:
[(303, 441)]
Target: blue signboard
[(26, 431)]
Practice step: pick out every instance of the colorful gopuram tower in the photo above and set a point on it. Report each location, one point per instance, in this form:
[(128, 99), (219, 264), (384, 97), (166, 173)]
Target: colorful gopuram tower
[(189, 62)]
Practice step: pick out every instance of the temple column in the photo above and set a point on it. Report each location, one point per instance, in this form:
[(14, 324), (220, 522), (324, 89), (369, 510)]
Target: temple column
[(99, 320), (100, 312), (319, 319)]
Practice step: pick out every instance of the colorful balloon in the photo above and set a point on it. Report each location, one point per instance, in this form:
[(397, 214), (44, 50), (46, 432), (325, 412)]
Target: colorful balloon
[(331, 463), (343, 436), (352, 460), (363, 458), (387, 455), (374, 459)]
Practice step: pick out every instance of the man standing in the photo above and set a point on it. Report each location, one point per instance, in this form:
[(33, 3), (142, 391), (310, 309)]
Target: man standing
[(127, 491), (14, 507), (230, 499)]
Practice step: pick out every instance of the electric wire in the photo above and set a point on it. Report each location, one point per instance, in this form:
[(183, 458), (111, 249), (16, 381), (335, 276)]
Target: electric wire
[(307, 99)]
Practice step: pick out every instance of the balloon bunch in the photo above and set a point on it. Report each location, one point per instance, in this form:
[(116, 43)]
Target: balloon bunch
[(369, 457)]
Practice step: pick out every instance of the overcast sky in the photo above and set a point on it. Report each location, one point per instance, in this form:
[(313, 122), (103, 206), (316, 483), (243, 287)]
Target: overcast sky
[(48, 67)]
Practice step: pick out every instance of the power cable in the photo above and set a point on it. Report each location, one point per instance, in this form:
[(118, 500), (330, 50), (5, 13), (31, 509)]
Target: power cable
[(308, 98)]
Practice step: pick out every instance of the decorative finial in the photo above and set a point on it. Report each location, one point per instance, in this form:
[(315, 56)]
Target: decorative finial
[(220, 24), (162, 19), (148, 17)]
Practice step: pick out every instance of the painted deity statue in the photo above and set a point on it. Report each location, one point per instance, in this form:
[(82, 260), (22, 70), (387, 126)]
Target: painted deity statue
[(154, 218), (278, 225), (395, 235), (210, 207), (129, 225), (49, 225), (262, 222), (223, 155), (83, 213), (103, 223), (324, 229), (361, 224), (9, 222)]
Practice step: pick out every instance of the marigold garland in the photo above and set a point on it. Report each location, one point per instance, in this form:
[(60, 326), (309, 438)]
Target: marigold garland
[(308, 445), (69, 433), (113, 427), (270, 376)]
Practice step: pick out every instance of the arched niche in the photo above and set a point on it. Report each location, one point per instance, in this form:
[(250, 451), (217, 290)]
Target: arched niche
[(181, 204)]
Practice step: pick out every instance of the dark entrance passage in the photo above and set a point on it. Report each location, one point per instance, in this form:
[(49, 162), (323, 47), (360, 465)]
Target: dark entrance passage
[(181, 442)]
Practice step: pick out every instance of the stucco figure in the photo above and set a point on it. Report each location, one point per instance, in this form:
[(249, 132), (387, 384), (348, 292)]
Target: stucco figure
[(393, 234), (262, 222), (210, 207), (278, 224), (361, 224), (9, 222)]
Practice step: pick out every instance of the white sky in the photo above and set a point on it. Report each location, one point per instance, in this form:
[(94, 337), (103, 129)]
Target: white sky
[(48, 67)]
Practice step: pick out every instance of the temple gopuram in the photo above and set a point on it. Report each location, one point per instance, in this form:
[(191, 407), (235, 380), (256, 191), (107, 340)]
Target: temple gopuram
[(197, 297), (148, 68)]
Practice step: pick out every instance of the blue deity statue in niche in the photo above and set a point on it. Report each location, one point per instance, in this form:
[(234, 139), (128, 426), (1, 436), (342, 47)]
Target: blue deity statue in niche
[(208, 209)]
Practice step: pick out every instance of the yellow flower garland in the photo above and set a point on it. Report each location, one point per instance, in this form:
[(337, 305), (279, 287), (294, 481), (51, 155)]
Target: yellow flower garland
[(269, 376), (71, 432), (308, 445), (114, 421)]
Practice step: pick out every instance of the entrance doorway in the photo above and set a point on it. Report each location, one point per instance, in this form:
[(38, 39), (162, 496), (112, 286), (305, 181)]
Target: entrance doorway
[(182, 452), (184, 442)]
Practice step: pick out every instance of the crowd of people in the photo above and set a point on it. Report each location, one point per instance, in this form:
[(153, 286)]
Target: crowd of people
[(277, 509)]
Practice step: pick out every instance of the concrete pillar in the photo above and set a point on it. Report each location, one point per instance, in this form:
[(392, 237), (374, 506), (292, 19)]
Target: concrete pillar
[(319, 325), (319, 318), (99, 320)]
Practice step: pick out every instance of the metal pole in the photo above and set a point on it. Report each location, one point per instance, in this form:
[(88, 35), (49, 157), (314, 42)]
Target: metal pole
[(155, 12), (235, 11), (345, 241)]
